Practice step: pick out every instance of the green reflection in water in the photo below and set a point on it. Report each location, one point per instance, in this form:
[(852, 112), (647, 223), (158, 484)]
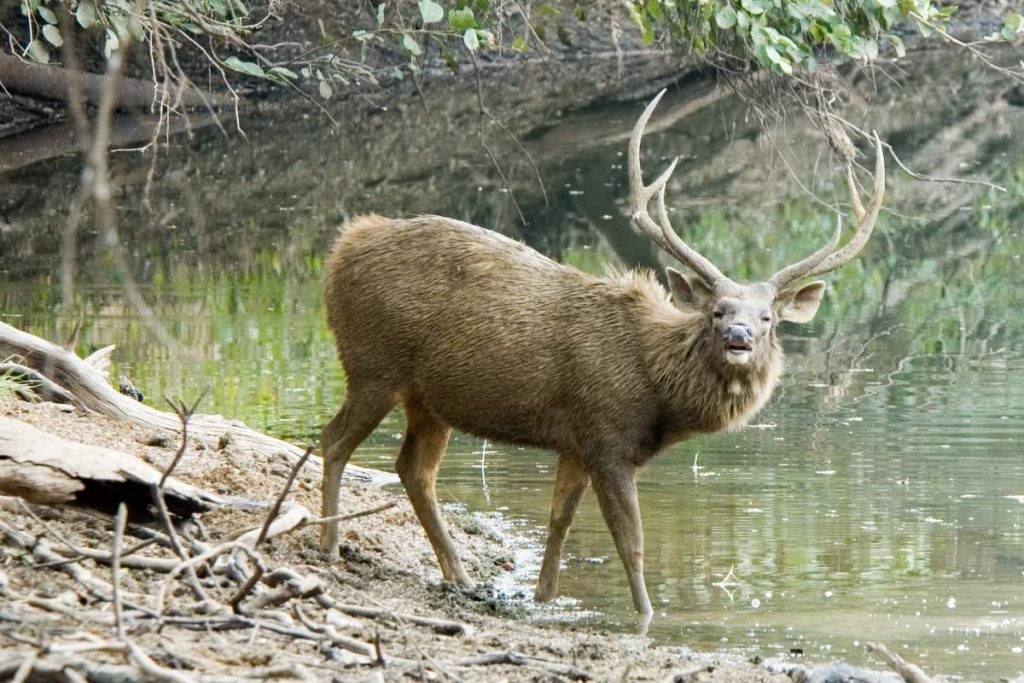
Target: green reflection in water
[(880, 495)]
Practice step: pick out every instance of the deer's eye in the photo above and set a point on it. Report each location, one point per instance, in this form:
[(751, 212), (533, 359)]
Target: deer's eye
[(766, 318), (718, 313)]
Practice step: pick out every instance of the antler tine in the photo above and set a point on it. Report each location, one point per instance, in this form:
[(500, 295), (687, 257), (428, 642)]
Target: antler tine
[(866, 218), (798, 270), (640, 195), (827, 258)]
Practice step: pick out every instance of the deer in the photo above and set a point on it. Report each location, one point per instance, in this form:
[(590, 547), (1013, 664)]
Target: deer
[(468, 329)]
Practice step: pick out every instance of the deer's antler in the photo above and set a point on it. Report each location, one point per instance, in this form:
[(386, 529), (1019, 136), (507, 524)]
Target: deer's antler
[(826, 258), (661, 231)]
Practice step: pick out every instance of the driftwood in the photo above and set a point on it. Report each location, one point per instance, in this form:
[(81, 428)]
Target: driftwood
[(48, 470), (516, 659), (54, 83), (92, 392), (910, 673)]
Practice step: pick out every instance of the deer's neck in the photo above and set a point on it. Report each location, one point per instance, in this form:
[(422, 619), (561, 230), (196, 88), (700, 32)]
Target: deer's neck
[(702, 393)]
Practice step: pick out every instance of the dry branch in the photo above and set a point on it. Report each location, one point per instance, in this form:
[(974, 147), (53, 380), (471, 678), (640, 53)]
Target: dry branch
[(46, 469), (516, 659), (54, 83), (91, 391), (442, 626), (911, 673)]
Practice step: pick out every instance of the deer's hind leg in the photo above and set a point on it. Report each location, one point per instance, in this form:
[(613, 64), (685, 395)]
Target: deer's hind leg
[(359, 416), (571, 482), (426, 439)]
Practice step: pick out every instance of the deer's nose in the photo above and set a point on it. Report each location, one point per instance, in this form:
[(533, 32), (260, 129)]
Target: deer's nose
[(739, 335)]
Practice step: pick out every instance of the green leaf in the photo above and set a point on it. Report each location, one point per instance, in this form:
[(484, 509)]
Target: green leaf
[(754, 7), (47, 14), (653, 8), (410, 45), (725, 17), (743, 20), (563, 36), (1012, 25), (325, 90), (85, 14), (470, 40), (39, 52), (283, 72), (250, 68), (897, 43), (52, 35), (461, 19), (870, 49), (380, 13), (431, 12), (547, 11), (519, 45), (449, 59)]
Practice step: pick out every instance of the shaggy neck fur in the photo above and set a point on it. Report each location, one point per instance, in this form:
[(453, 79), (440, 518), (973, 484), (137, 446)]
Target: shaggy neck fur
[(701, 391)]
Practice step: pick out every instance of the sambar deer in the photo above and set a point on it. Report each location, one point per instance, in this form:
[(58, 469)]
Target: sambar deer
[(469, 329)]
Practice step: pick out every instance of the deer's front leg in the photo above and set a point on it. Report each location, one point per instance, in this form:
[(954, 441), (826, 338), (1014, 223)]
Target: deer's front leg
[(571, 481), (615, 486)]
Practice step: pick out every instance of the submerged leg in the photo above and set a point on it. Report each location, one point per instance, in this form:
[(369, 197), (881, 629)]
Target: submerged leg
[(418, 462), (571, 481), (615, 486), (358, 417)]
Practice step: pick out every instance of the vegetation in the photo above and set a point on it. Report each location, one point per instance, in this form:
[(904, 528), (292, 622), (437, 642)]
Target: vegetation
[(783, 36)]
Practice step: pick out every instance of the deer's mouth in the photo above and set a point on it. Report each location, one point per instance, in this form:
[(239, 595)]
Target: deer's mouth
[(738, 352)]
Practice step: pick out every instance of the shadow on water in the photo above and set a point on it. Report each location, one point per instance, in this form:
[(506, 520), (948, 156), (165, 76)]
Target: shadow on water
[(879, 496)]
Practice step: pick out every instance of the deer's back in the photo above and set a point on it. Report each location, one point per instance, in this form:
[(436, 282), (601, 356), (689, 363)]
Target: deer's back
[(493, 337)]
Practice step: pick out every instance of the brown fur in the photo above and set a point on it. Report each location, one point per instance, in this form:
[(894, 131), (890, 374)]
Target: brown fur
[(469, 329)]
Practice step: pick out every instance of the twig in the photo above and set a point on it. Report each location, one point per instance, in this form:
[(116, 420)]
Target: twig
[(115, 567), (184, 414), (236, 600), (684, 675), (729, 581), (154, 671), (442, 626), (276, 507), (345, 643), (25, 670), (910, 672), (190, 574), (350, 515), (910, 172), (516, 659), (970, 48), (96, 183), (188, 564)]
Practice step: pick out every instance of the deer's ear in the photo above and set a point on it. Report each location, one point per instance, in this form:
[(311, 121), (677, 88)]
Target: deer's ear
[(687, 291), (800, 305)]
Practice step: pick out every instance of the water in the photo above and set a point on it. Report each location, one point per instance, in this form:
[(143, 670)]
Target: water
[(878, 497)]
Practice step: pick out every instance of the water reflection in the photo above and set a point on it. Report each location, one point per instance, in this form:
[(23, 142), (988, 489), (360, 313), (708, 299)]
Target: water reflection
[(879, 496)]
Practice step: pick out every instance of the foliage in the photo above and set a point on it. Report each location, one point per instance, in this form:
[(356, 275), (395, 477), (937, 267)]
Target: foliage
[(778, 35)]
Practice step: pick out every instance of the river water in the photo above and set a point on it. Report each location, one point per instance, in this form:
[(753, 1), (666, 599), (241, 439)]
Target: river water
[(878, 497)]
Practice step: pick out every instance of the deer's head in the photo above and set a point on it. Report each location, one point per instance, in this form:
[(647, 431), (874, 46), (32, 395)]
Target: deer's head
[(742, 318)]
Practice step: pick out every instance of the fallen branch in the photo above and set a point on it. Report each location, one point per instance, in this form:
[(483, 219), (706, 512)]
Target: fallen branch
[(46, 469), (911, 673), (33, 385), (441, 626), (276, 507), (92, 392), (54, 83), (516, 659), (684, 675)]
